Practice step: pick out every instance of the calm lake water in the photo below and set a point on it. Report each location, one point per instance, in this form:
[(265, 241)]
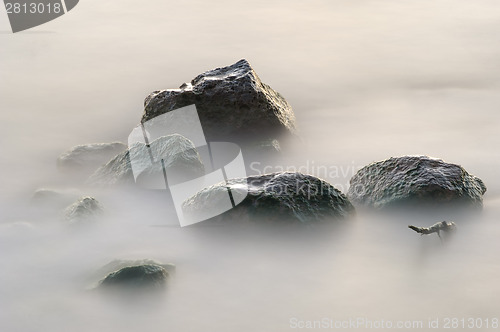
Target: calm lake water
[(367, 80)]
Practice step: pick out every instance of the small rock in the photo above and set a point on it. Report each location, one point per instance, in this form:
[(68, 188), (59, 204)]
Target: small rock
[(119, 264), (85, 209), (232, 102), (291, 198), (271, 145), (87, 157), (134, 277), (179, 154), (54, 198), (411, 180)]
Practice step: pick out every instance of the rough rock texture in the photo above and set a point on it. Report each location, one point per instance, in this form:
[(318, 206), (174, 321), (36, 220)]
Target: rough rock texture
[(232, 102), (119, 264), (88, 157), (85, 209), (413, 180), (179, 155), (140, 276), (291, 198)]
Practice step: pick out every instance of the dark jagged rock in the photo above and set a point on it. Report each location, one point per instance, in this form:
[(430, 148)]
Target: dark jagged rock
[(179, 154), (232, 102), (415, 180), (85, 209), (291, 198), (88, 157), (137, 277)]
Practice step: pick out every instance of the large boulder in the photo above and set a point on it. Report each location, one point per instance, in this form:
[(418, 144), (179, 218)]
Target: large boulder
[(290, 198), (415, 180), (179, 154), (232, 102), (88, 157)]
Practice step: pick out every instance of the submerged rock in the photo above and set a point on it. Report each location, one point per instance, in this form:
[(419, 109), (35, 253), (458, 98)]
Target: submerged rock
[(85, 209), (291, 198), (232, 102), (411, 180), (87, 157), (270, 145), (179, 154), (137, 277), (54, 199), (119, 264)]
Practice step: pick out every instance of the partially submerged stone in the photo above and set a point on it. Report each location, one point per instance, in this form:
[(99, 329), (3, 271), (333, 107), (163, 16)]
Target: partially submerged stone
[(178, 153), (88, 157), (290, 198), (54, 199), (85, 209), (149, 276), (233, 104), (415, 180), (119, 264)]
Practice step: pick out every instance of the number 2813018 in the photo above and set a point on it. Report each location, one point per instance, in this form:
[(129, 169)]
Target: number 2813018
[(471, 323), (33, 8)]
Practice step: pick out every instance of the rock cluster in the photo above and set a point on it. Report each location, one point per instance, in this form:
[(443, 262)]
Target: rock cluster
[(234, 105)]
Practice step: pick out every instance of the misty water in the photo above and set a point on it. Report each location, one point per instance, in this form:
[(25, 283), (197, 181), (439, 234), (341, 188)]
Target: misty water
[(367, 80)]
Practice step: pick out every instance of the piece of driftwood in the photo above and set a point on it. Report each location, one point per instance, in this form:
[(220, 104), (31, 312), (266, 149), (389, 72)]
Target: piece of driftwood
[(445, 226)]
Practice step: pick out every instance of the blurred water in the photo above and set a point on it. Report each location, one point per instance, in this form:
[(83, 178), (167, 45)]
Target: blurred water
[(367, 80)]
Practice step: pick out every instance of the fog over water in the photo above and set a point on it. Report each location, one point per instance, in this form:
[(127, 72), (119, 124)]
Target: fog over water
[(367, 80)]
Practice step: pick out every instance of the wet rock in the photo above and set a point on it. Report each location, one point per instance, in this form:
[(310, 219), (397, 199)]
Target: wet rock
[(137, 277), (291, 198), (415, 180), (85, 209), (119, 264), (179, 154), (232, 102), (88, 157)]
